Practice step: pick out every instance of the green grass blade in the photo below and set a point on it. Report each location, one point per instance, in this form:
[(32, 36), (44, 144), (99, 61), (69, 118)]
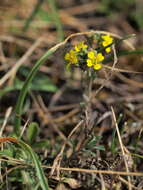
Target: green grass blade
[(23, 92), (40, 173), (124, 53), (130, 52)]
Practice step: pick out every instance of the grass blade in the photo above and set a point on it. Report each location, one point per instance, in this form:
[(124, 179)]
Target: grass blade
[(40, 174), (23, 92)]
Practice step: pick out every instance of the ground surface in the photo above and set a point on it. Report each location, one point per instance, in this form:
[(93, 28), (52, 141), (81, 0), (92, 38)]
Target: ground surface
[(57, 100)]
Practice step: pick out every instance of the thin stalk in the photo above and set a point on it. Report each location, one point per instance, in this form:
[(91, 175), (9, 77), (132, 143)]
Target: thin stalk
[(23, 92)]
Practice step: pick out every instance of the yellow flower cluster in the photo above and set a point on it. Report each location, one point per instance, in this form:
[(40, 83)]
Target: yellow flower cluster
[(94, 60), (85, 57), (80, 46), (71, 57), (107, 40)]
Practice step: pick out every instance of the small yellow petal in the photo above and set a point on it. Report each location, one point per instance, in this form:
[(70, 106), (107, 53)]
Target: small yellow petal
[(84, 46), (71, 57), (80, 46), (107, 40), (107, 37), (104, 37), (108, 50), (97, 66), (75, 60), (104, 43), (89, 63), (67, 56), (91, 54), (77, 49), (72, 52), (100, 57)]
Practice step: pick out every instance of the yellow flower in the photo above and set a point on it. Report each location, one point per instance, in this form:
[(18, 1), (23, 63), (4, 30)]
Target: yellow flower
[(80, 46), (107, 40), (71, 57), (108, 50), (94, 60), (89, 63), (99, 58), (97, 66), (91, 54)]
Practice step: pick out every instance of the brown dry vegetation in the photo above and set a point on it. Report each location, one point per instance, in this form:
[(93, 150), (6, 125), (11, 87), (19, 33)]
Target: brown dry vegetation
[(112, 120)]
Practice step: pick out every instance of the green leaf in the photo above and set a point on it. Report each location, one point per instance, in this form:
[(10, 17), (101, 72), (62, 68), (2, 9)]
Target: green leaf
[(39, 171), (41, 83), (100, 147), (41, 144), (28, 181), (32, 132), (7, 152), (91, 144), (44, 84), (27, 84)]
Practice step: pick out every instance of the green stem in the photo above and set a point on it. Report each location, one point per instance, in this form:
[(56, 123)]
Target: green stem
[(125, 52), (138, 51), (23, 92)]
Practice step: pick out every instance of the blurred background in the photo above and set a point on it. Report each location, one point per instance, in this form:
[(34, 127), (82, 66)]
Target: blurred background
[(28, 28), (58, 18)]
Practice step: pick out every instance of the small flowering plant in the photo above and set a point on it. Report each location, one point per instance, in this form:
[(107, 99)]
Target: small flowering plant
[(86, 57)]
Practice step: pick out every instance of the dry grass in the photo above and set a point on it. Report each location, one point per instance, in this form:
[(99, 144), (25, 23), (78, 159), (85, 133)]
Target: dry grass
[(110, 116)]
